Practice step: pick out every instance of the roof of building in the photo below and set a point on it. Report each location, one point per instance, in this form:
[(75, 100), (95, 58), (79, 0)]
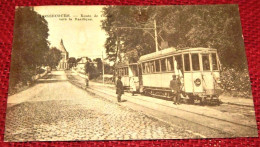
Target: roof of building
[(62, 47)]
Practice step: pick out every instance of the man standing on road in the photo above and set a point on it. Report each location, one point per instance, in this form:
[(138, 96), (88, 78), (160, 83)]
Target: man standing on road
[(119, 89), (175, 86)]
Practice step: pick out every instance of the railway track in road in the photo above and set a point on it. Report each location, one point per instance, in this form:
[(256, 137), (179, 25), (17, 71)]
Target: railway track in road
[(207, 126)]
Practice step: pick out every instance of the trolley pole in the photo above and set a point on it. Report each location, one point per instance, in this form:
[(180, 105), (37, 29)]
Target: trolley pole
[(155, 36), (103, 70)]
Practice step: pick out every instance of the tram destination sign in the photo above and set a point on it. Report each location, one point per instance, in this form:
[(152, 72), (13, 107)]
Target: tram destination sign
[(128, 73)]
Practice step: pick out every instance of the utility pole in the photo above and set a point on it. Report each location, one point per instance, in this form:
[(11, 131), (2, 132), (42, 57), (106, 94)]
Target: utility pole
[(155, 36), (103, 70)]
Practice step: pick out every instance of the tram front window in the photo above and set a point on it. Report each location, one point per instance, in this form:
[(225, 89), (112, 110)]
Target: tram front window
[(147, 67), (214, 61), (205, 62), (152, 66), (187, 62), (163, 64), (170, 63), (179, 62), (143, 66), (195, 62)]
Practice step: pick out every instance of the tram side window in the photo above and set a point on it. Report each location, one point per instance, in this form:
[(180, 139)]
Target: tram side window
[(205, 62), (187, 62), (134, 70), (170, 64), (163, 64), (214, 61), (122, 72), (152, 66), (157, 65), (195, 62), (179, 62), (126, 71)]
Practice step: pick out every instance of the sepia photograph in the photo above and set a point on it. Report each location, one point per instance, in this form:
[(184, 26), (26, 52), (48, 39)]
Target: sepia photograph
[(108, 72)]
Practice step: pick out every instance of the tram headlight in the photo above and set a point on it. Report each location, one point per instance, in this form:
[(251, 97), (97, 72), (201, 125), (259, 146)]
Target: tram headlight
[(197, 82)]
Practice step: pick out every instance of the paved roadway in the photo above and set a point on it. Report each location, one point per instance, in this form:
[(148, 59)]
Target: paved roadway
[(56, 110)]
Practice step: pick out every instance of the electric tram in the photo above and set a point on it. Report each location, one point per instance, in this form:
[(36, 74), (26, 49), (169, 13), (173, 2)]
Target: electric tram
[(197, 68)]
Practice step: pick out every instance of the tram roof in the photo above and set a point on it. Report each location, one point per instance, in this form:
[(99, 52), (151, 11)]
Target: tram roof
[(171, 50)]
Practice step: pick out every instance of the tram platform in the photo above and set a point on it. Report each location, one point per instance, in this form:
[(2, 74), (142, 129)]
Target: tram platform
[(224, 98)]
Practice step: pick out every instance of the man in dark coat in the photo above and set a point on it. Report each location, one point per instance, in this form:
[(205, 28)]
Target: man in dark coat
[(119, 89), (175, 85)]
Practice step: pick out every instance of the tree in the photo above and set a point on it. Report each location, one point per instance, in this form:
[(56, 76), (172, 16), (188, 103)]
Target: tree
[(215, 26), (72, 62), (53, 57), (90, 69), (29, 44), (108, 69), (99, 64)]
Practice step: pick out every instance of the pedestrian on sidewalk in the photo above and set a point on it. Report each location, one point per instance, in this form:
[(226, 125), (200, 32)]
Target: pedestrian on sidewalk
[(175, 86), (86, 80), (119, 88), (132, 85)]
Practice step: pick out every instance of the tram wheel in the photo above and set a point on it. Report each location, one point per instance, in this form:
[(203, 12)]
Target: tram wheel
[(191, 100)]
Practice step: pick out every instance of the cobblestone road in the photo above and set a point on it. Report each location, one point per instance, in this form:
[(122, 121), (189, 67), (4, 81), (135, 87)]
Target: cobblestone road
[(55, 110)]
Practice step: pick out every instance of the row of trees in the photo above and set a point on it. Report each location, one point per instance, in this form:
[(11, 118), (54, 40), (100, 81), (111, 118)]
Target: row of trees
[(90, 68), (96, 71), (215, 26), (31, 49)]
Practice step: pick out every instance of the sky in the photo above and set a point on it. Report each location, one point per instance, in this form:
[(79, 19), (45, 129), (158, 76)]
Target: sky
[(80, 37)]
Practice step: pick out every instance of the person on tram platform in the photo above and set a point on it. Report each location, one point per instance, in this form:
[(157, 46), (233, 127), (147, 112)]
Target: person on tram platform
[(132, 85)]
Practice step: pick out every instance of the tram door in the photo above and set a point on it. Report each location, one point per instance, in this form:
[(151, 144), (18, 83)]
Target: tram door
[(207, 77), (133, 74), (196, 73), (178, 68)]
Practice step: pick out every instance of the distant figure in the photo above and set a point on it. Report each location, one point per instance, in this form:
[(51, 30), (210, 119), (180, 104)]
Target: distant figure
[(86, 80), (132, 85), (175, 85), (119, 89)]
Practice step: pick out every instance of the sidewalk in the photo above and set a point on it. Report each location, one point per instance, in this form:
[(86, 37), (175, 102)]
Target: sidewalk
[(237, 101), (225, 99)]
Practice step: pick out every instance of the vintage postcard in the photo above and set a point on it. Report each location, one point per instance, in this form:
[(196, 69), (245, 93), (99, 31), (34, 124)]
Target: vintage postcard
[(128, 73)]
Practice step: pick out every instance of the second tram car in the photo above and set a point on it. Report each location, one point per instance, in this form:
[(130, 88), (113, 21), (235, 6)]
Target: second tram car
[(128, 72)]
